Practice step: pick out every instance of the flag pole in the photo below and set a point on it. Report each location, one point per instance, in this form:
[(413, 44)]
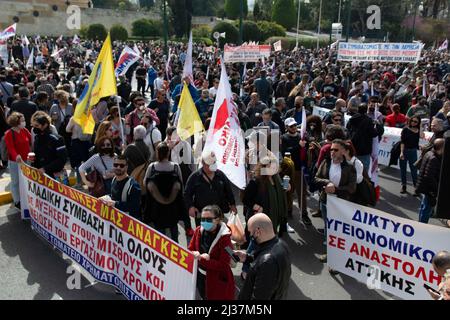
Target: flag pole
[(122, 135)]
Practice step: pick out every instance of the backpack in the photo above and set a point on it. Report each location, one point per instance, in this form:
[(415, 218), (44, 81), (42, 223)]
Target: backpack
[(126, 191)]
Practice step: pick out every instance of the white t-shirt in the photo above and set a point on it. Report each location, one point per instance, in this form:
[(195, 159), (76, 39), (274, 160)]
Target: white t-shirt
[(335, 173)]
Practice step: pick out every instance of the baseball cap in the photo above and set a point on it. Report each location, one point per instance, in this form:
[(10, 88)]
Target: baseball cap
[(290, 122)]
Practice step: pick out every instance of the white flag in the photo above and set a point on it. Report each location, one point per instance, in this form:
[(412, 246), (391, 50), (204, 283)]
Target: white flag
[(187, 70), (59, 39), (224, 137), (424, 88), (244, 76), (127, 58), (25, 41), (57, 53), (30, 59), (76, 40), (303, 127), (136, 49), (277, 46), (168, 68)]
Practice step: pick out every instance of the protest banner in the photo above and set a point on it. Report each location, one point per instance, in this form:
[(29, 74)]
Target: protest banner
[(382, 250), (382, 52), (4, 54), (390, 137), (111, 246), (322, 112), (246, 53)]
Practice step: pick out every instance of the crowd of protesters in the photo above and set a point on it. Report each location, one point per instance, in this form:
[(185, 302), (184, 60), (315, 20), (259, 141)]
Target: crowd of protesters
[(149, 173)]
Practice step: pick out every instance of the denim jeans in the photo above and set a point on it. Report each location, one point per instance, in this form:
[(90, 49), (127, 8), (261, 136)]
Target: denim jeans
[(425, 209), (14, 172), (323, 211), (365, 161), (411, 158)]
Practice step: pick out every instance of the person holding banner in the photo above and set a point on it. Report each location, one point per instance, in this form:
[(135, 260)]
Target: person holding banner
[(337, 177), (18, 145), (215, 280), (49, 148)]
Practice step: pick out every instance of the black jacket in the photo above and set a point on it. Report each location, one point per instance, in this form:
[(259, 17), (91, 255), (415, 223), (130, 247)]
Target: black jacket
[(270, 272), (362, 130), (25, 107), (51, 153), (199, 193), (428, 179)]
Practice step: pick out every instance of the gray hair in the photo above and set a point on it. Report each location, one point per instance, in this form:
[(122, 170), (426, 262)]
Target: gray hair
[(139, 132)]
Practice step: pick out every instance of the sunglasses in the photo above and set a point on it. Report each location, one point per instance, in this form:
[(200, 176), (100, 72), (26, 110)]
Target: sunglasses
[(119, 165), (207, 219)]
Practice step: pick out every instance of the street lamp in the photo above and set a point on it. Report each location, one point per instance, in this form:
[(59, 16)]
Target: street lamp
[(298, 19)]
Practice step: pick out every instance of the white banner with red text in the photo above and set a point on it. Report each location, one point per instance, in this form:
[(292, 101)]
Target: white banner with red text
[(384, 251), (111, 246), (246, 53)]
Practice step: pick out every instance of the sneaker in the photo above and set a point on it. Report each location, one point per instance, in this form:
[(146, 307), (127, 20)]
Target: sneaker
[(190, 232), (289, 228), (317, 214), (333, 272), (306, 220), (323, 258), (403, 191)]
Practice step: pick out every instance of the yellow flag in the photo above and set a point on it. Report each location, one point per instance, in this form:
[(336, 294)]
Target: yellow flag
[(102, 83), (189, 121)]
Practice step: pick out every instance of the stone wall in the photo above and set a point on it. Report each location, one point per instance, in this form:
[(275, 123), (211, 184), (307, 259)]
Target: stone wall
[(53, 23)]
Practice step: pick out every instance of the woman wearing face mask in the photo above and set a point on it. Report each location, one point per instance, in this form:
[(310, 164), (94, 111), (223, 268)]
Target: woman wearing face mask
[(116, 129), (410, 137), (18, 142), (102, 162), (215, 279), (49, 148)]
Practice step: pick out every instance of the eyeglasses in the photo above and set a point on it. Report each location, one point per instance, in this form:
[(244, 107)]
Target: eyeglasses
[(119, 165), (207, 219)]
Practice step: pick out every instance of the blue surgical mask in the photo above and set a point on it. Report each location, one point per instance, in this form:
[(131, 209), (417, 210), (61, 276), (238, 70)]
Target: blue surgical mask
[(208, 226)]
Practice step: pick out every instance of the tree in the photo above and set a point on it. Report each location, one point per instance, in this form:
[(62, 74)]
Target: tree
[(284, 13), (180, 17), (233, 9), (146, 28), (270, 29), (250, 31), (257, 13), (118, 32), (231, 33), (96, 31), (146, 3)]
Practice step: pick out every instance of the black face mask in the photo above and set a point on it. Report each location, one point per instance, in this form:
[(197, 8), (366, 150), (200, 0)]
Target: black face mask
[(39, 131)]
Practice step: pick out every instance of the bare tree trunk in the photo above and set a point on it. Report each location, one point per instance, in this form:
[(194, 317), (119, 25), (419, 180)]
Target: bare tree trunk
[(436, 6)]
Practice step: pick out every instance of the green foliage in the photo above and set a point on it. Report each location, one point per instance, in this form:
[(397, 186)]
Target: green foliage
[(179, 17), (205, 40), (284, 13), (83, 32), (250, 31), (270, 29), (118, 32), (206, 7), (289, 43), (96, 31), (146, 3), (114, 4), (233, 9), (147, 28), (201, 32), (232, 33)]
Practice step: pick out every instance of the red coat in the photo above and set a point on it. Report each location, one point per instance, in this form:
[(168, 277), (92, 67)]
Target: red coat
[(219, 283)]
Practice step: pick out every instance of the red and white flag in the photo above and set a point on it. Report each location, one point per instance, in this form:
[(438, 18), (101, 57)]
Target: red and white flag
[(187, 70), (8, 32), (444, 46), (126, 60), (224, 137)]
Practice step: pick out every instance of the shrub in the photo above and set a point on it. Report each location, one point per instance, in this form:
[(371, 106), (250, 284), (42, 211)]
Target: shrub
[(231, 36), (201, 32), (205, 40), (96, 31), (270, 29), (250, 31), (118, 32), (308, 43), (146, 28)]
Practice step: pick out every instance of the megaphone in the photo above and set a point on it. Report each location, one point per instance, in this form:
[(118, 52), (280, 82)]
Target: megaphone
[(222, 35)]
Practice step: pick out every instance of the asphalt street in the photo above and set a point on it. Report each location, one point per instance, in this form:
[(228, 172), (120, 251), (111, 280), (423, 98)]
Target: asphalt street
[(32, 269)]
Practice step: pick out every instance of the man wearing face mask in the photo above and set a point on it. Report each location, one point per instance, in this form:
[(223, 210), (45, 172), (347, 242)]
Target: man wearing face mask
[(420, 109), (125, 190), (341, 107), (270, 272), (135, 118), (208, 186)]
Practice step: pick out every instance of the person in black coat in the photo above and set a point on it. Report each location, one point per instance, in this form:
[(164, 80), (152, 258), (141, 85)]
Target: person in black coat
[(24, 106), (428, 179), (270, 272), (50, 150), (362, 130)]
